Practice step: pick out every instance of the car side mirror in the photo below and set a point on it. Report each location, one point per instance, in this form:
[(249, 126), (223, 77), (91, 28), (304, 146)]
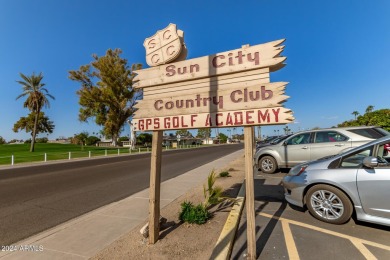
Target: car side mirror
[(285, 143), (370, 162)]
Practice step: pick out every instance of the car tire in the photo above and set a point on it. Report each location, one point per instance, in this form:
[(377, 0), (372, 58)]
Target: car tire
[(329, 204), (268, 164)]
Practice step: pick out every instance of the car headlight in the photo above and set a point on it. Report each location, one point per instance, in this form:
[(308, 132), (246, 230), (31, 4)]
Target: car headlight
[(297, 170)]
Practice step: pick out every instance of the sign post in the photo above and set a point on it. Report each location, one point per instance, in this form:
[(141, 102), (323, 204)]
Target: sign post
[(155, 180), (249, 192), (227, 89)]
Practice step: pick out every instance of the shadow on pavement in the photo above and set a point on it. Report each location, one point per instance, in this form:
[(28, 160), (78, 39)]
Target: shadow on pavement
[(264, 195)]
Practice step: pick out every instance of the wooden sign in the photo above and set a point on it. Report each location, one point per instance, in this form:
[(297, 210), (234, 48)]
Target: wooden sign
[(227, 89), (264, 116), (244, 59), (233, 97), (236, 80)]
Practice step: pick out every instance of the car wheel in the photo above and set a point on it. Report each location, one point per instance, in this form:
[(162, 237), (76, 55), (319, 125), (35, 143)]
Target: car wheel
[(268, 164), (329, 204)]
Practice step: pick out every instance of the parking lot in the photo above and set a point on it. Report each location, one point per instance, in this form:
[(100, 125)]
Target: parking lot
[(284, 232)]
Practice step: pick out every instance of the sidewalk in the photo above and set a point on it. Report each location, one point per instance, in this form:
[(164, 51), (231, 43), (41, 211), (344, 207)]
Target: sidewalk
[(86, 235)]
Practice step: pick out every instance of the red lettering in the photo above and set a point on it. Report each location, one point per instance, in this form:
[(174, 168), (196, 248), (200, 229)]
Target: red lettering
[(263, 117), (266, 94), (195, 66), (217, 118), (214, 61), (155, 58), (276, 114), (231, 63), (208, 121), (173, 51), (148, 123), (256, 58), (167, 122), (229, 119), (182, 122), (165, 35), (249, 117), (151, 44), (171, 70), (156, 104), (193, 119), (239, 57), (141, 125), (156, 123), (169, 105), (175, 122), (233, 96), (238, 118)]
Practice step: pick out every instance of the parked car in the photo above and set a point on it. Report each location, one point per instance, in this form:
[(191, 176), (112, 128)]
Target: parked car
[(333, 189), (312, 145), (272, 142)]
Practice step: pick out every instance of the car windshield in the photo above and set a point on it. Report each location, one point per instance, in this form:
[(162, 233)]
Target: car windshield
[(385, 138), (279, 139)]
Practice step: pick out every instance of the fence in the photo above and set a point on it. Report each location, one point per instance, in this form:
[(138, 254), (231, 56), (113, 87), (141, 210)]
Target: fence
[(45, 157)]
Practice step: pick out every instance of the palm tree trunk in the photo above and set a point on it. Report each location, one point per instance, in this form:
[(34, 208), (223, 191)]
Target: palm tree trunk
[(34, 133)]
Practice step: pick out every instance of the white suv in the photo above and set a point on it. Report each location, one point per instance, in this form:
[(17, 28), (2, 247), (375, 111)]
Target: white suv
[(314, 144)]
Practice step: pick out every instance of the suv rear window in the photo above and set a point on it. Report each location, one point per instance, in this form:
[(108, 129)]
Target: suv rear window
[(373, 133)]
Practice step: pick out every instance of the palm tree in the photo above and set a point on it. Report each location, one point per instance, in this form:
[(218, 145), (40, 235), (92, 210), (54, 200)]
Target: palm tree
[(355, 113), (369, 109), (36, 99)]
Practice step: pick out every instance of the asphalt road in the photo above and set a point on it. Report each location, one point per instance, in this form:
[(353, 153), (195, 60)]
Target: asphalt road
[(33, 199)]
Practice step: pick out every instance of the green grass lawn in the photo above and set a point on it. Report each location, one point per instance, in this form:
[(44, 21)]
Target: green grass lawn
[(22, 152)]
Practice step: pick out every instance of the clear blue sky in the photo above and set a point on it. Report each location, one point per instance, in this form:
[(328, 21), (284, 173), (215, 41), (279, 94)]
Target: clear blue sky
[(338, 52)]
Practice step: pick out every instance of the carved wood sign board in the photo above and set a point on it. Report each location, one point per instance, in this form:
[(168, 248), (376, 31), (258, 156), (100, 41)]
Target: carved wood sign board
[(227, 89)]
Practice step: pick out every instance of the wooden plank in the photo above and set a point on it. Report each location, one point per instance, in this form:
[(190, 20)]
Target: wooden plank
[(216, 82), (249, 188), (263, 116), (155, 181), (257, 96), (243, 59)]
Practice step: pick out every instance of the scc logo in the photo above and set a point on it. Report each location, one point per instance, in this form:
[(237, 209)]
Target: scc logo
[(165, 46)]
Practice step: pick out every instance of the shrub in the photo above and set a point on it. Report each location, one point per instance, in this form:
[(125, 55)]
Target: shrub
[(194, 214), (224, 174), (212, 195)]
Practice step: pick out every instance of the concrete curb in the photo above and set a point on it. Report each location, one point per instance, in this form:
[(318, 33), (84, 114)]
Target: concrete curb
[(224, 245)]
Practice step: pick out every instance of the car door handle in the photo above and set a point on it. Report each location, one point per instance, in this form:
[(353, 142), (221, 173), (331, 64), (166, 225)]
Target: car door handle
[(339, 145), (305, 147)]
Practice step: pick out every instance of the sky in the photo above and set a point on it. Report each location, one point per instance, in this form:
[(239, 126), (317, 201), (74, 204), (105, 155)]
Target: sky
[(338, 52)]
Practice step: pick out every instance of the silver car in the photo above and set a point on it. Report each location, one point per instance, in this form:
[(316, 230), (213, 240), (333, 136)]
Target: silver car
[(312, 145), (355, 181)]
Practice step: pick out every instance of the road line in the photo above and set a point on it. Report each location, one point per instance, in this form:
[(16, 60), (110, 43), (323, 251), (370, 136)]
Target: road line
[(351, 238), (365, 252), (290, 243)]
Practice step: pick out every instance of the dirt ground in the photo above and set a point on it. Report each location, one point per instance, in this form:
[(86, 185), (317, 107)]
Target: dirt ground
[(181, 240)]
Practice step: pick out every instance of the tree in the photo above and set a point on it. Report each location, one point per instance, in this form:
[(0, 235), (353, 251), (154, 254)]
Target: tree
[(80, 138), (355, 113), (369, 109), (222, 137), (92, 140), (2, 140), (144, 139), (204, 133), (37, 95), (44, 125), (183, 133), (378, 118), (106, 92)]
